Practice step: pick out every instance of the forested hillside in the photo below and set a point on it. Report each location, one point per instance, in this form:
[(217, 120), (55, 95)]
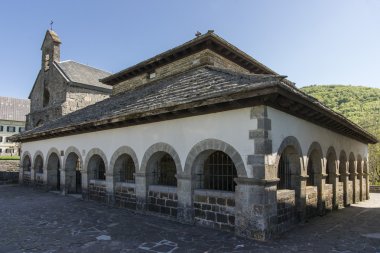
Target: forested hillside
[(361, 105)]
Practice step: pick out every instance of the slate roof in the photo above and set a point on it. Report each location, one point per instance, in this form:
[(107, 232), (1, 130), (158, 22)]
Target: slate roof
[(200, 90), (79, 73), (14, 109), (194, 85)]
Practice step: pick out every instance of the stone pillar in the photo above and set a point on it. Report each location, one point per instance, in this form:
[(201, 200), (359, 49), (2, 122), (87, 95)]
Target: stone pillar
[(141, 191), (185, 211), (353, 180), (255, 208), (110, 196), (335, 191), (84, 184), (320, 180), (301, 198), (32, 176), (346, 199), (366, 179), (62, 182), (20, 174)]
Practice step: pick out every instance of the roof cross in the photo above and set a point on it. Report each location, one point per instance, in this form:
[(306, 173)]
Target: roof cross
[(51, 25)]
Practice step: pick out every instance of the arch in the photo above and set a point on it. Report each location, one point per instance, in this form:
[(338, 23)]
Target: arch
[(73, 165), (70, 150), (92, 152), (51, 151), (331, 165), (26, 161), (352, 166), (160, 147), (120, 151), (38, 160), (124, 169), (209, 146), (217, 173), (342, 165), (291, 145), (289, 169), (53, 165), (314, 163)]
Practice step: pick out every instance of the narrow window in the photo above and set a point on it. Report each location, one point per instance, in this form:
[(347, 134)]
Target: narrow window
[(11, 129)]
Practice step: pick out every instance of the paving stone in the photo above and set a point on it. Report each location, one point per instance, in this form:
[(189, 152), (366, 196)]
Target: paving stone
[(37, 221)]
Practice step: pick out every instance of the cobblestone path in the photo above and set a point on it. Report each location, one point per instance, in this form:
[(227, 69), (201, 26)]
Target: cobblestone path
[(35, 221)]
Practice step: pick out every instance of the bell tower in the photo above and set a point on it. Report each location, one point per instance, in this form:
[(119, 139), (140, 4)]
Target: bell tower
[(50, 49)]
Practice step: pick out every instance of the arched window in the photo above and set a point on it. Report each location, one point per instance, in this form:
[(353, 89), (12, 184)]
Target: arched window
[(218, 172), (165, 170), (126, 167)]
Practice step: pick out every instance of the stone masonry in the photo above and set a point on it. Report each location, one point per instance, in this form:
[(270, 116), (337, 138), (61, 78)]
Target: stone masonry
[(214, 209), (204, 57)]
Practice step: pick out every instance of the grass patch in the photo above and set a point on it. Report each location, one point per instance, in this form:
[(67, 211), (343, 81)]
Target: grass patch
[(9, 157)]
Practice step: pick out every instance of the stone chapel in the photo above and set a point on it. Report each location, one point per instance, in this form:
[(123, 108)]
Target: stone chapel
[(202, 133)]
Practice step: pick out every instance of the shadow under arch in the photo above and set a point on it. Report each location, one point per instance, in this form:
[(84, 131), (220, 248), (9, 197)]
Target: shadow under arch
[(53, 165), (73, 167)]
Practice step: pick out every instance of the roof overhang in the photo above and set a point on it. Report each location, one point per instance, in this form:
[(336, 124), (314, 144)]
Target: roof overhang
[(274, 94)]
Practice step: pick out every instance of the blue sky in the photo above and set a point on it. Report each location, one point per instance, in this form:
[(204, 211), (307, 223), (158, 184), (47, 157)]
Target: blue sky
[(312, 42)]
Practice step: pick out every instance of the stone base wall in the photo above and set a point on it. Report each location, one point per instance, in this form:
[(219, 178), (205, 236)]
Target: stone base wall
[(26, 178), (286, 210), (357, 191), (39, 180), (350, 192), (163, 200), (125, 195), (215, 209), (97, 191), (328, 194), (311, 201), (10, 165), (340, 195)]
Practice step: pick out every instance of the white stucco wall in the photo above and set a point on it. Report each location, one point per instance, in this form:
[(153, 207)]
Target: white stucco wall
[(284, 125), (231, 127)]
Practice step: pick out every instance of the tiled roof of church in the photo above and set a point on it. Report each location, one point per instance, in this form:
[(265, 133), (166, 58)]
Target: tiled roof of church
[(14, 109), (83, 74), (197, 91)]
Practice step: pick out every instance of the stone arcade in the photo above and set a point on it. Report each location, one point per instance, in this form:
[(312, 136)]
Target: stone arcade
[(204, 134)]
